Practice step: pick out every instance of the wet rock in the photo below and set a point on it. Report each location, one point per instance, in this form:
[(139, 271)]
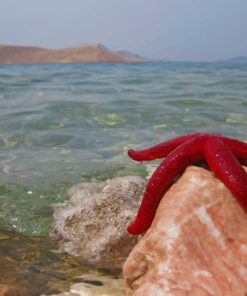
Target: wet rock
[(196, 245), (93, 223)]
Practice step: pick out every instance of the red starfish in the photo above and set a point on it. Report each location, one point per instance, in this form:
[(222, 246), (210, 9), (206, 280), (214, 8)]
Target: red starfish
[(224, 156)]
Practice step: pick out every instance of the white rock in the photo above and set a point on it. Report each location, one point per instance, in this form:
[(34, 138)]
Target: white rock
[(93, 223)]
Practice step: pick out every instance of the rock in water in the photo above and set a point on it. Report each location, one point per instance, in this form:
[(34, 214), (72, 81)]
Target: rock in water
[(96, 285), (196, 245), (93, 223)]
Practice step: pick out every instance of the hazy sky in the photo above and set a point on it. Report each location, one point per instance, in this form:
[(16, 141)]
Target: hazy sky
[(172, 29)]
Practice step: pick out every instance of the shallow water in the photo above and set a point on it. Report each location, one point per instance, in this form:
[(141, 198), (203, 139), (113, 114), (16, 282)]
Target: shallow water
[(32, 266), (61, 124)]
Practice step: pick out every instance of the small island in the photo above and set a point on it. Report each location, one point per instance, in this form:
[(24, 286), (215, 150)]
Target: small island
[(10, 54)]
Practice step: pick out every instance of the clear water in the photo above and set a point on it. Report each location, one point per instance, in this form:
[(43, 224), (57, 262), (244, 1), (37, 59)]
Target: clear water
[(61, 124)]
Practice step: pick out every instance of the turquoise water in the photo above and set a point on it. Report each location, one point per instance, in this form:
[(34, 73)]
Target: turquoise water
[(61, 124)]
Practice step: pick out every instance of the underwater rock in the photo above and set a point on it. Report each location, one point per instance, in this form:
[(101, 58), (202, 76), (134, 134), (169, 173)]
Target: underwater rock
[(196, 245), (93, 223), (97, 286)]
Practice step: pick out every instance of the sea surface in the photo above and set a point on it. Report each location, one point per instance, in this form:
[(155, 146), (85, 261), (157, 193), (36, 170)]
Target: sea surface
[(63, 124)]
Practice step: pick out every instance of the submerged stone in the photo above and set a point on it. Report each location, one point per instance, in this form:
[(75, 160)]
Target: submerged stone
[(109, 287), (196, 245), (93, 223)]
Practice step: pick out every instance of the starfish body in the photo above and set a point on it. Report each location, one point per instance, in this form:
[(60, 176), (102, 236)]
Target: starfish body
[(224, 156)]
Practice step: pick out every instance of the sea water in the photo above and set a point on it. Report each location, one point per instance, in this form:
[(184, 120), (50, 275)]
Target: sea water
[(63, 124)]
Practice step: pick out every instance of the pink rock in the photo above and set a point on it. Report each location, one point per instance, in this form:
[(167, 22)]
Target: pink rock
[(196, 245)]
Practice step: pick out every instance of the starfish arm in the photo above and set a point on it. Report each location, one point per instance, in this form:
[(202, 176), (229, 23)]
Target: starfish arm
[(185, 154), (227, 168), (238, 148), (242, 160), (161, 150)]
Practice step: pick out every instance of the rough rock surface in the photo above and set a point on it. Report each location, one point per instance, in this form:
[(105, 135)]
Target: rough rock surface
[(93, 223), (197, 244)]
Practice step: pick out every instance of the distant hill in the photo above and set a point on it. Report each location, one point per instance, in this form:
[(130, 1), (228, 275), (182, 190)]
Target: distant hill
[(129, 54), (237, 60), (10, 54), (124, 53)]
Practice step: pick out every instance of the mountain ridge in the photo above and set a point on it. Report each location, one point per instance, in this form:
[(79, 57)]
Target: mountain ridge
[(13, 54)]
